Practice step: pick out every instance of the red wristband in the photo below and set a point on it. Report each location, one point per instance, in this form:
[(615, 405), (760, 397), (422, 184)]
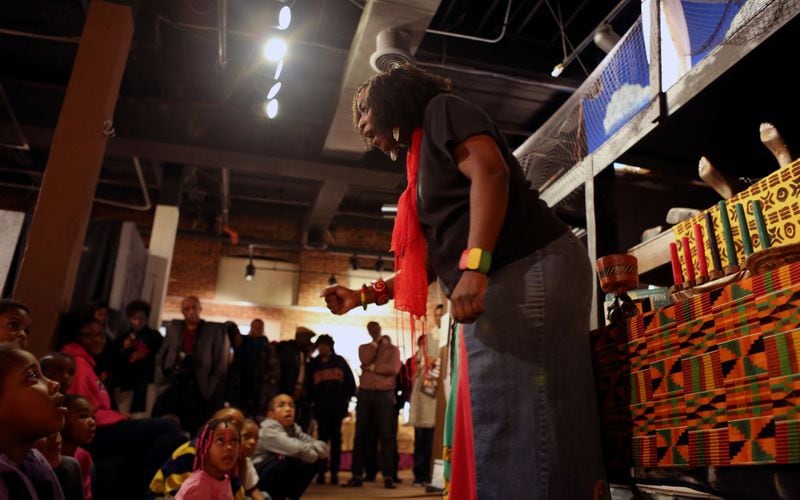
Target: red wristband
[(381, 292)]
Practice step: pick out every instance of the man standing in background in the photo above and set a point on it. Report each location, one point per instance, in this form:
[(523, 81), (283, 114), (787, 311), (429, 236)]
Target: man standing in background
[(191, 368), (380, 364)]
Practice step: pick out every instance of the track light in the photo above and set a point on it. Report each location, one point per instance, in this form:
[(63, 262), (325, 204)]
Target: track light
[(250, 271), (275, 49), (332, 280), (271, 108)]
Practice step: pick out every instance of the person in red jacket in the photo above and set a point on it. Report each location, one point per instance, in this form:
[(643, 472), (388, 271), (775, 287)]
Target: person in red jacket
[(143, 444)]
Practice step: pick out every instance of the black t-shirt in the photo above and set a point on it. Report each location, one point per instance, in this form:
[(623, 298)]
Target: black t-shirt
[(443, 193)]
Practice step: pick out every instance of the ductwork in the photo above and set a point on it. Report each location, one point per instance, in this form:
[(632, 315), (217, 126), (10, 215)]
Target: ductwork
[(392, 50), (401, 26)]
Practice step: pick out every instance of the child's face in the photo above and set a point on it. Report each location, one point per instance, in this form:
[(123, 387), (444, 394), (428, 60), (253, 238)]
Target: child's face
[(80, 426), (282, 410), (62, 370), (30, 405), (249, 439), (14, 327), (223, 451), (92, 338)]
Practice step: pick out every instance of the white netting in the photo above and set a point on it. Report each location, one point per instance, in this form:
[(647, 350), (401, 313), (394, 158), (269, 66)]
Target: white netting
[(619, 88), (615, 92)]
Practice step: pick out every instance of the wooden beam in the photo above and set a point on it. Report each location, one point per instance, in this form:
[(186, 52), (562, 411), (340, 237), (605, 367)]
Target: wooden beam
[(55, 244)]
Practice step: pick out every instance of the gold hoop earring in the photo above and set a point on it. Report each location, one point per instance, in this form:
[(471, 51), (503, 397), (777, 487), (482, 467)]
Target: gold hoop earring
[(396, 133)]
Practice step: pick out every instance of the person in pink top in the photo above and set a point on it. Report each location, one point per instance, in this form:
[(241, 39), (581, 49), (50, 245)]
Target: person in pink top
[(215, 462), (142, 445)]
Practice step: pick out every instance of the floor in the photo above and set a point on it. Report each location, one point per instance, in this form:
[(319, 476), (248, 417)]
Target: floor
[(369, 490)]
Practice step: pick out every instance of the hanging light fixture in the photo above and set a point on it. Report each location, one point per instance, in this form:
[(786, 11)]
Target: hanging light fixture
[(332, 280), (250, 270)]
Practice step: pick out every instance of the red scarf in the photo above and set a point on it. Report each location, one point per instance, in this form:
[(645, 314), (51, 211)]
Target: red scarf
[(408, 243)]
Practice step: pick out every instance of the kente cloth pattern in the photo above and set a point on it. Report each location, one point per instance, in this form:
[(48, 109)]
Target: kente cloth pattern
[(712, 380), (779, 194)]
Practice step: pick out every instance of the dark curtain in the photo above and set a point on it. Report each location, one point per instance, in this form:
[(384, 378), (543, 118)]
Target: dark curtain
[(96, 269)]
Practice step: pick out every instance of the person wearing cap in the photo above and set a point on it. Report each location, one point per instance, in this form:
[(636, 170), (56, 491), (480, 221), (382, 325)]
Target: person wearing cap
[(331, 385), (294, 356)]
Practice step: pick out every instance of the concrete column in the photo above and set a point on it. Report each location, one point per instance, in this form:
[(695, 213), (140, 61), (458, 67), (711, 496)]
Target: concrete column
[(58, 229), (162, 246)]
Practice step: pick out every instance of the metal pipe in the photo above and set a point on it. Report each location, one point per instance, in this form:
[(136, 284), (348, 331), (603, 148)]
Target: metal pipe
[(586, 41), (37, 36), (145, 194), (23, 146), (225, 194), (222, 31), (478, 72), (475, 38)]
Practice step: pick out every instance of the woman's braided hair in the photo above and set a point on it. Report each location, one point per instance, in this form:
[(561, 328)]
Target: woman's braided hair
[(398, 97)]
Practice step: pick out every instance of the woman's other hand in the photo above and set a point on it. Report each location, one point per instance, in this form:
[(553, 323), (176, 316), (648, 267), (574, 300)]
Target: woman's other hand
[(340, 299), (467, 298)]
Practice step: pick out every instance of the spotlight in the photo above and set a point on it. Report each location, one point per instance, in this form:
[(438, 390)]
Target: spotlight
[(275, 49), (284, 17), (271, 108), (332, 280), (354, 262), (379, 264), (250, 271), (273, 91), (557, 70)]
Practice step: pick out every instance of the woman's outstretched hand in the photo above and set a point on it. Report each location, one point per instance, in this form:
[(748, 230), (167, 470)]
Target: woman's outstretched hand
[(340, 299), (467, 298)]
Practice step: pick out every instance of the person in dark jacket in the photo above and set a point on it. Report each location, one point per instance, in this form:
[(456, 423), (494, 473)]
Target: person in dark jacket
[(261, 371), (294, 356), (331, 385), (134, 391)]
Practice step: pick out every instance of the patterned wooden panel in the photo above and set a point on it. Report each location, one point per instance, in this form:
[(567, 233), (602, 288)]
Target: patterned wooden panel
[(779, 194)]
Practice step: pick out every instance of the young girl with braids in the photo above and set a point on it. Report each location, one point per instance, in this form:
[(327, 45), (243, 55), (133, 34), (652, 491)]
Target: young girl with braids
[(216, 461)]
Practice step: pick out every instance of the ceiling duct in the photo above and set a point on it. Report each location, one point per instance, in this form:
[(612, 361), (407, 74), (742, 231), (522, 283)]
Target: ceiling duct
[(315, 239), (392, 49), (412, 18)]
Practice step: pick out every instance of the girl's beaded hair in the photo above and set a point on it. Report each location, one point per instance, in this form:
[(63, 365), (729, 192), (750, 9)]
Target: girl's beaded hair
[(205, 439)]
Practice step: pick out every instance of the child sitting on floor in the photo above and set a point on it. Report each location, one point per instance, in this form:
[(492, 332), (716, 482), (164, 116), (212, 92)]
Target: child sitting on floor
[(30, 408), (66, 468), (286, 458), (59, 367), (249, 443), (217, 459), (79, 430)]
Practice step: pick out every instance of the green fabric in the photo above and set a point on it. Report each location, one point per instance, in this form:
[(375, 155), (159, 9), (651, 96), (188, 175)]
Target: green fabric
[(450, 413)]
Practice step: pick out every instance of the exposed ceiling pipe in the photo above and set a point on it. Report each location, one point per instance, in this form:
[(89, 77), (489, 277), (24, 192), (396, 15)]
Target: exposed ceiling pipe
[(476, 38), (500, 76), (145, 194), (225, 194), (222, 31), (37, 36), (23, 141), (590, 38)]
